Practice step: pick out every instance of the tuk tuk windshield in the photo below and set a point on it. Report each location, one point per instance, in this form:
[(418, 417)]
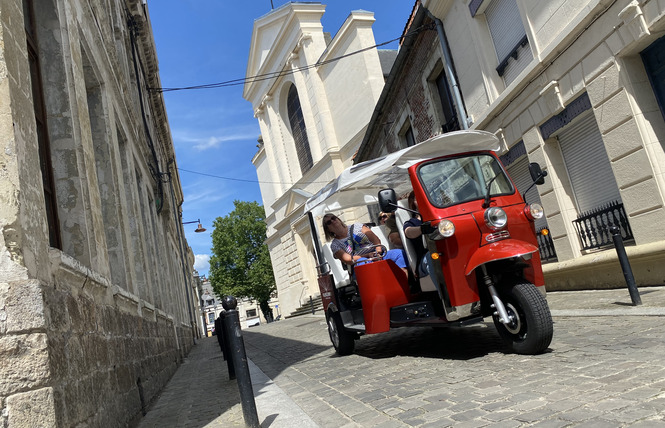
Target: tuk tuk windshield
[(452, 181)]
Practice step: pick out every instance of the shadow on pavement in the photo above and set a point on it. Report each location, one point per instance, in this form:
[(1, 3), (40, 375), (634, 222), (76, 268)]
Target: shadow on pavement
[(456, 343), (275, 349), (198, 393), (276, 346)]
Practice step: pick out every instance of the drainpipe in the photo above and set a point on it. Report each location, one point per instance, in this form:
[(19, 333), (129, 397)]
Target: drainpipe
[(447, 64)]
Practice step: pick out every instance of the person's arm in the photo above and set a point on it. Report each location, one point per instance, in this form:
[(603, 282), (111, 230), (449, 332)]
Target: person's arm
[(412, 230), (345, 257), (375, 240), (371, 235)]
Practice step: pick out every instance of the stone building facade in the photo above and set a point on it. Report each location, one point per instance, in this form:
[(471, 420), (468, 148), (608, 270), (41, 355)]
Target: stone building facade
[(577, 86), (313, 110), (96, 299), (249, 312)]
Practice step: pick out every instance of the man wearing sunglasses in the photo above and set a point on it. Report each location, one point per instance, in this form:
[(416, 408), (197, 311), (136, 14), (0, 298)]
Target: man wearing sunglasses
[(388, 221)]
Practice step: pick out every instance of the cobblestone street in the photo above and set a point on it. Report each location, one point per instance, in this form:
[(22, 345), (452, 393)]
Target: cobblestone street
[(601, 370), (605, 371)]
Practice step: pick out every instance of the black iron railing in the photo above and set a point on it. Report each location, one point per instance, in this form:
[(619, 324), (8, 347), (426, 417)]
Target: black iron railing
[(593, 227), (546, 245)]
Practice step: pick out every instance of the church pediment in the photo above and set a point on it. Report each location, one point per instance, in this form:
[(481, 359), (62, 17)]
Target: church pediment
[(297, 197), (276, 34)]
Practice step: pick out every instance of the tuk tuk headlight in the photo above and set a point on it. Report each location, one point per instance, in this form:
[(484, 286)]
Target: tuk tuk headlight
[(446, 228), (534, 211), (495, 218)]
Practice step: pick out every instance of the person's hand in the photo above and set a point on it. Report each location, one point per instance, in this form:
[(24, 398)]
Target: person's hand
[(427, 228)]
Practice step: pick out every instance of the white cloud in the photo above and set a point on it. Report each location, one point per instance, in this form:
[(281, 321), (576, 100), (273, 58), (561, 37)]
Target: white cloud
[(201, 262), (201, 143), (213, 142)]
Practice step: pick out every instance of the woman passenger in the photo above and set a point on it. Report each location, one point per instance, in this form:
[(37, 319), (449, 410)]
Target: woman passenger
[(350, 243)]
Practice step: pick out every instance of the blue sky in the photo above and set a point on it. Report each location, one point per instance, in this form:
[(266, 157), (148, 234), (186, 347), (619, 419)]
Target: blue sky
[(214, 130)]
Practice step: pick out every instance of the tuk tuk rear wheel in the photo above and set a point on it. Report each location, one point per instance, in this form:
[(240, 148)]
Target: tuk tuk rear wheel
[(342, 340), (531, 328)]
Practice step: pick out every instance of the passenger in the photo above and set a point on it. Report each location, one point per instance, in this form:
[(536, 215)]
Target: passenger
[(349, 243), (388, 221), (413, 230)]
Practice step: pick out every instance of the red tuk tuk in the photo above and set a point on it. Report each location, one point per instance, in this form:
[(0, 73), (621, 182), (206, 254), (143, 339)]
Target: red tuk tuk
[(483, 253)]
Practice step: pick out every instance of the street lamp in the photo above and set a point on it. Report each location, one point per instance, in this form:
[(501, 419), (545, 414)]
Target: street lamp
[(199, 229)]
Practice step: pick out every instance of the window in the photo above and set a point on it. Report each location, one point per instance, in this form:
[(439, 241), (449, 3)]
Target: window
[(509, 37), (449, 121), (298, 130), (587, 164), (251, 313), (406, 135), (211, 317), (465, 178), (517, 166), (42, 128), (654, 63)]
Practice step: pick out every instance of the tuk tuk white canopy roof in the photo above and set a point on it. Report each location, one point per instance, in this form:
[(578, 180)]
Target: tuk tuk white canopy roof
[(359, 184)]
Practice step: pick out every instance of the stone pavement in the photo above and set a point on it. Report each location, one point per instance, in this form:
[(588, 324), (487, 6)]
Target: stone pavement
[(605, 368)]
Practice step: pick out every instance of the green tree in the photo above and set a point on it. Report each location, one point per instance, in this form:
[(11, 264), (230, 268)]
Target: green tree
[(240, 263)]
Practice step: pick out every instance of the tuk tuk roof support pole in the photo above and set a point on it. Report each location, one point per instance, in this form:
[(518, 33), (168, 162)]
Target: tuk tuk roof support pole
[(447, 64), (315, 239)]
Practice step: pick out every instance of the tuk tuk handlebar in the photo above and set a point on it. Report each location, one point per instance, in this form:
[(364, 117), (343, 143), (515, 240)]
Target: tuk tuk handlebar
[(368, 255)]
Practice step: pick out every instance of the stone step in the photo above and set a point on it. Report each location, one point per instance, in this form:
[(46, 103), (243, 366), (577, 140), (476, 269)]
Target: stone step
[(306, 308)]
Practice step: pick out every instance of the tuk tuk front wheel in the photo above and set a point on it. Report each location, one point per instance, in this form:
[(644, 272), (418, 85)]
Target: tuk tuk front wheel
[(342, 340), (531, 328)]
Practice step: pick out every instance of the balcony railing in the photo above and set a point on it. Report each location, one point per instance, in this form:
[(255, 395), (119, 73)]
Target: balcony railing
[(593, 227), (546, 245)]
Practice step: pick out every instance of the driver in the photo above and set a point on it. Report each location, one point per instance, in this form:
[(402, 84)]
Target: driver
[(414, 228), (349, 243)]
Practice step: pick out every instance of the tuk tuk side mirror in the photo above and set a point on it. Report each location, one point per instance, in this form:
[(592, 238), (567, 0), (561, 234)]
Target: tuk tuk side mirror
[(537, 174), (387, 200)]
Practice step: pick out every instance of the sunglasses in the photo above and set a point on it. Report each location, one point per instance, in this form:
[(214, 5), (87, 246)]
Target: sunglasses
[(329, 222), (383, 216)]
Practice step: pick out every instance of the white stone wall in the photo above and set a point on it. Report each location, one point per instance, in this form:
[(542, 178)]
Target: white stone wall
[(579, 47), (93, 328), (334, 125)]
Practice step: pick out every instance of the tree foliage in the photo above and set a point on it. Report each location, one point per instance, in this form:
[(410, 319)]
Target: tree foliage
[(240, 263)]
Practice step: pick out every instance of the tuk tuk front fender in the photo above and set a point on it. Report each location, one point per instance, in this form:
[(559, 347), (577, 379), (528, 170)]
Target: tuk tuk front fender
[(499, 250)]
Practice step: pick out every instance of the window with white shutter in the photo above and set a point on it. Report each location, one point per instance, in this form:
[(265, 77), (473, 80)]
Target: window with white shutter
[(587, 163), (509, 38), (517, 166)]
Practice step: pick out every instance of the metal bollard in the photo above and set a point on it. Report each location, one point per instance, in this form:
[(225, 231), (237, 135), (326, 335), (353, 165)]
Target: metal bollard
[(219, 332), (311, 304), (236, 347), (227, 350), (625, 265)]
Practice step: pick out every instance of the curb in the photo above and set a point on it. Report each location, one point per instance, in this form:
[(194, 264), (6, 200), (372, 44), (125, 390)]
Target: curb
[(636, 312)]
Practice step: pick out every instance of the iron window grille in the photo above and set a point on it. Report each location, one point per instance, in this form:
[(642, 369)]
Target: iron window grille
[(593, 227), (546, 245)]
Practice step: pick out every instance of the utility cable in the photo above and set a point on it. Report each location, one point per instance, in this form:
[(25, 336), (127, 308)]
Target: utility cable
[(277, 74), (247, 180)]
